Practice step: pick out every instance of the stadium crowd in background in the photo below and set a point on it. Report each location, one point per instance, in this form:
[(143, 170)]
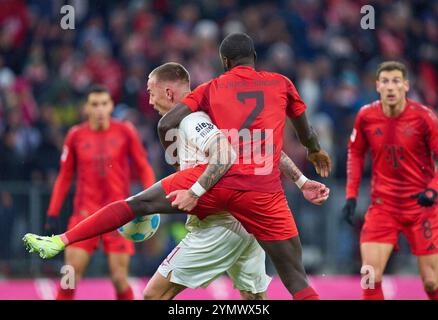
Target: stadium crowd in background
[(45, 70)]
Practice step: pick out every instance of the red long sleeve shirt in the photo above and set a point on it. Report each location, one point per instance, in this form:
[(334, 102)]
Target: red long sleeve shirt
[(101, 162), (401, 152)]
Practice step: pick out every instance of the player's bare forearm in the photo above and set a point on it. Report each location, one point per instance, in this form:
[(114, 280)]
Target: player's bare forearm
[(221, 158), (170, 121), (306, 133), (288, 167), (167, 137), (308, 138)]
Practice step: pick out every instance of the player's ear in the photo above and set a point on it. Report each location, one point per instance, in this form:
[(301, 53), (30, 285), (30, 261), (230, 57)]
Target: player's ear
[(84, 109), (229, 64), (111, 103), (85, 105), (225, 63), (407, 85), (169, 94), (378, 86)]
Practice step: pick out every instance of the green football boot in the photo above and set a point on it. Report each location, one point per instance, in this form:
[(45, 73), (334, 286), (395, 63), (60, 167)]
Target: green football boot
[(46, 247)]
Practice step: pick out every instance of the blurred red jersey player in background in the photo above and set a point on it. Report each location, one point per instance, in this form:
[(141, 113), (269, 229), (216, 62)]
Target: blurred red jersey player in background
[(401, 135), (99, 151)]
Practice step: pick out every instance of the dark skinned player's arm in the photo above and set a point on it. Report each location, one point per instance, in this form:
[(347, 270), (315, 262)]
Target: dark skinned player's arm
[(308, 138), (306, 134), (168, 122), (171, 120)]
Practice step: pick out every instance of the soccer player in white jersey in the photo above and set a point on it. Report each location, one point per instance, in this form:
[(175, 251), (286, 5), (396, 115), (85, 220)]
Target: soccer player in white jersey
[(218, 243)]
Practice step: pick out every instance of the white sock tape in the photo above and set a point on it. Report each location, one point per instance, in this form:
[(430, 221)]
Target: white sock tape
[(301, 181), (198, 189)]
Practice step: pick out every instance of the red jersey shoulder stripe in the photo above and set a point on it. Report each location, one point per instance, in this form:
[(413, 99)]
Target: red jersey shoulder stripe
[(75, 130), (427, 113), (124, 124), (369, 108), (418, 106), (79, 127)]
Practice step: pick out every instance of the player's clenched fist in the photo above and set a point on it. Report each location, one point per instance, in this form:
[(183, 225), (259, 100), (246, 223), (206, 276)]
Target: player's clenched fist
[(315, 192), (426, 198), (321, 161), (185, 200)]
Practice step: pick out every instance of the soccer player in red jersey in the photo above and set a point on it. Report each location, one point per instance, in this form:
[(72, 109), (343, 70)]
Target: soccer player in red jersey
[(99, 151), (218, 243), (249, 189), (245, 99), (401, 135)]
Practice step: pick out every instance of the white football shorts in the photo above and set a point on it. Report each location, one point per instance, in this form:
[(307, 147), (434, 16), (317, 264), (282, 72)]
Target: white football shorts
[(206, 253)]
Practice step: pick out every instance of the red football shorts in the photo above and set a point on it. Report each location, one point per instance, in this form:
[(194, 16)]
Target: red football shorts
[(420, 228), (265, 215), (113, 242)]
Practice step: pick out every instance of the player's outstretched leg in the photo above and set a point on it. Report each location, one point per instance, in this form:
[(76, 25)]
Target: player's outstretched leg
[(150, 201), (286, 256), (107, 219)]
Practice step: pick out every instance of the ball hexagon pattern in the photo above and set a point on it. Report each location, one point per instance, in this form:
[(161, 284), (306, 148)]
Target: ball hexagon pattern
[(141, 228)]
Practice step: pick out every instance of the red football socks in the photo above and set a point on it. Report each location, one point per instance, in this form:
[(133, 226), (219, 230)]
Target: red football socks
[(373, 294), (104, 220), (306, 294), (128, 294), (65, 294), (433, 295)]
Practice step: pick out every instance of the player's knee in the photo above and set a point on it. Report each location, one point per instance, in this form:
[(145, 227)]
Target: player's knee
[(149, 294), (246, 295), (430, 285)]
